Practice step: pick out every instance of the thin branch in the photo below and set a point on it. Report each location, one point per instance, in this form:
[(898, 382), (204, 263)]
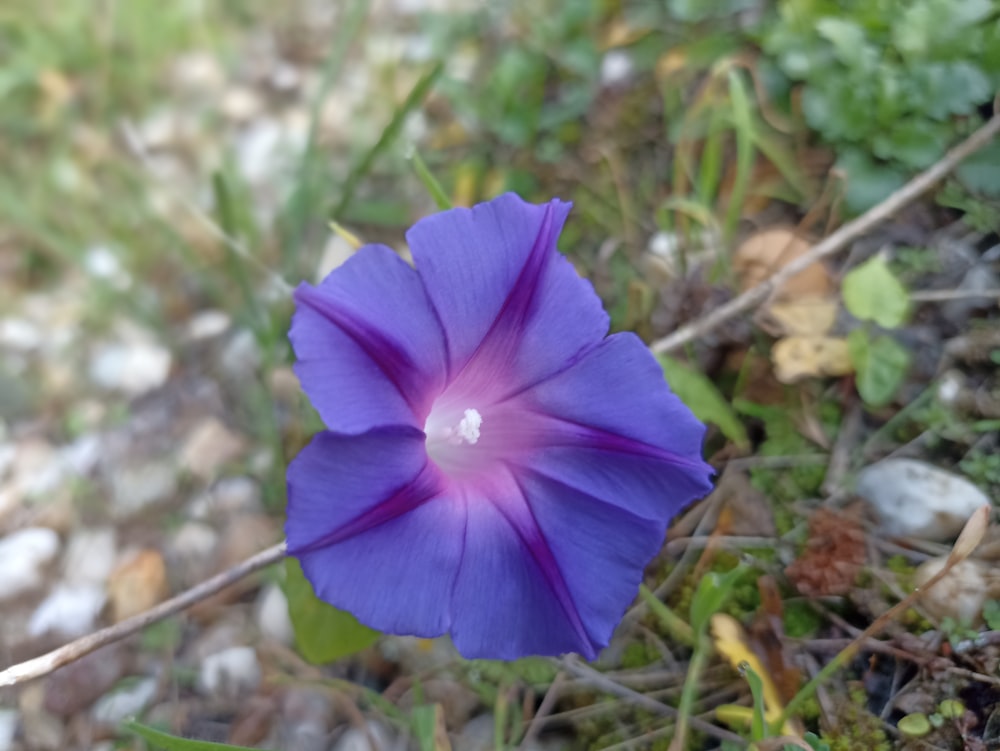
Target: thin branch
[(834, 243), (47, 663), (572, 664), (944, 295)]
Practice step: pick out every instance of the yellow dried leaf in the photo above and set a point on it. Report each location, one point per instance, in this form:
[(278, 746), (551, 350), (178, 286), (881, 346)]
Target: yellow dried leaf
[(809, 316), (730, 641), (798, 357), (670, 63), (765, 252)]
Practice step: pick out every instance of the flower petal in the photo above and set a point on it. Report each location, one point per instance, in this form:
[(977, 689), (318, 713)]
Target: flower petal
[(370, 349), (601, 550), (510, 599), (514, 310), (371, 533), (610, 427)]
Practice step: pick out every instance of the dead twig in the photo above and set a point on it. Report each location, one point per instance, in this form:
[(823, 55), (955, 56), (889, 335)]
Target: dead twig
[(47, 663), (833, 243), (571, 664)]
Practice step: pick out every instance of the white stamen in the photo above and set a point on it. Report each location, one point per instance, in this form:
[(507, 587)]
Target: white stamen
[(468, 428)]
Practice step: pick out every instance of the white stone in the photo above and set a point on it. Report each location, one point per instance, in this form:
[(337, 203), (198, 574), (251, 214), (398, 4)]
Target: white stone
[(208, 324), (963, 591), (68, 611), (241, 103), (8, 728), (229, 673), (357, 739), (136, 487), (101, 262), (19, 334), (23, 558), (114, 708), (915, 499), (133, 368), (229, 496), (208, 447), (194, 540), (272, 615), (90, 556), (616, 67)]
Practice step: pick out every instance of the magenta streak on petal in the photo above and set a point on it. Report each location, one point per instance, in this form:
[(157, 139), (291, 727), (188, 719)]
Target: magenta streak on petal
[(398, 367), (424, 487), (522, 521), (569, 433), (501, 340)]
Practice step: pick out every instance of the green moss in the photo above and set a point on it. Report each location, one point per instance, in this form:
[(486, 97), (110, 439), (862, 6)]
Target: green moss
[(801, 620), (857, 728), (638, 655)]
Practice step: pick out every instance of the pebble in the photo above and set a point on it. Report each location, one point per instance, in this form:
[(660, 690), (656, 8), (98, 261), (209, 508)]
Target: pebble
[(8, 728), (114, 708), (208, 324), (103, 263), (272, 615), (305, 719), (43, 731), (616, 68), (78, 685), (240, 357), (230, 673), (228, 497), (961, 594), (90, 556), (244, 536), (192, 550), (209, 447), (914, 499), (135, 487), (134, 368), (137, 584), (356, 739), (23, 558), (19, 334), (68, 611)]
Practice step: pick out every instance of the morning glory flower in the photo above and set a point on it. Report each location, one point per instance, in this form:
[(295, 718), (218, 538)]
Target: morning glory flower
[(495, 466)]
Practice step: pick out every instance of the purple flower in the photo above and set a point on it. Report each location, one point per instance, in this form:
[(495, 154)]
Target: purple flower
[(495, 466)]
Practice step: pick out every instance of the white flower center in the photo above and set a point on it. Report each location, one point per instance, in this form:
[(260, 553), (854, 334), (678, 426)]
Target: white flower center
[(468, 428), (450, 438)]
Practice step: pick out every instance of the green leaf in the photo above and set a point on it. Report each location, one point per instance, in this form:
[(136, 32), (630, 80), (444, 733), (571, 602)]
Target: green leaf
[(712, 592), (322, 632), (880, 363), (981, 173), (703, 398), (847, 38), (758, 724), (915, 725), (873, 293), (868, 183), (991, 614), (158, 739)]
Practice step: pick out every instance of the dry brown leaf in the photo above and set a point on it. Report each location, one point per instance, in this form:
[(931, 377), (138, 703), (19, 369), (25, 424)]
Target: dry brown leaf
[(834, 554), (769, 250), (798, 357), (809, 316)]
